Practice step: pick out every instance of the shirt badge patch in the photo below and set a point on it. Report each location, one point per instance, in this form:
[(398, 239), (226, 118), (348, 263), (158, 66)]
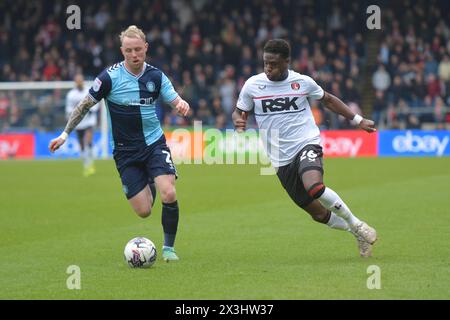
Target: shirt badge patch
[(295, 85), (150, 86), (97, 84)]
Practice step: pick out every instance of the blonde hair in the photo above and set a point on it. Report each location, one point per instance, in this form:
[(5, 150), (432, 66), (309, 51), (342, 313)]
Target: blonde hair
[(132, 32)]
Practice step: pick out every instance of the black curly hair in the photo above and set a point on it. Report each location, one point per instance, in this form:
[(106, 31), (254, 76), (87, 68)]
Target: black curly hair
[(278, 46)]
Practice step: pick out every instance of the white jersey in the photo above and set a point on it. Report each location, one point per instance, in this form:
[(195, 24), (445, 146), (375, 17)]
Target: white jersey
[(283, 113), (73, 97)]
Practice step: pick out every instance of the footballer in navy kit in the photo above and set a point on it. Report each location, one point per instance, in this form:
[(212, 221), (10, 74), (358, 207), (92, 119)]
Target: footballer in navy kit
[(130, 89)]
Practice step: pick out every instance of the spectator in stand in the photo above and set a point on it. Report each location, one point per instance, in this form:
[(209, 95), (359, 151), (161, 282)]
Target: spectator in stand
[(384, 53), (444, 69), (439, 113), (381, 79), (403, 111), (51, 70), (397, 90), (350, 93), (419, 88), (227, 90), (431, 66), (379, 107), (204, 114), (412, 122), (434, 86), (391, 117), (219, 114)]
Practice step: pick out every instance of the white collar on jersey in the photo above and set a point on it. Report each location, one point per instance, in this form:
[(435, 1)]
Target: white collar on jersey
[(134, 75)]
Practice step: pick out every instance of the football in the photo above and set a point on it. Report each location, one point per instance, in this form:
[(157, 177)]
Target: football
[(140, 252)]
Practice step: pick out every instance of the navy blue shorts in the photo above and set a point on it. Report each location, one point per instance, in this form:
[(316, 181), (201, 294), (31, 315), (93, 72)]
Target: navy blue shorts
[(137, 168)]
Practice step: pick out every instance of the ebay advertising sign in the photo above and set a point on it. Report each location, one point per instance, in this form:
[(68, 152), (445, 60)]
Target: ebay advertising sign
[(411, 143), (17, 146), (349, 143)]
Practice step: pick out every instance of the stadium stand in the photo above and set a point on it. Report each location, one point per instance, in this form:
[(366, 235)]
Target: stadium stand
[(209, 48), (412, 78)]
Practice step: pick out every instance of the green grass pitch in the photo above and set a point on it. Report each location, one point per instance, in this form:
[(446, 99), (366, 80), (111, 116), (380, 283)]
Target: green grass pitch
[(240, 236)]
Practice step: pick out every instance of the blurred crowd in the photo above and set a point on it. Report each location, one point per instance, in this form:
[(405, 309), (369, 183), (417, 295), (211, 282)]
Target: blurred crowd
[(412, 78), (209, 48)]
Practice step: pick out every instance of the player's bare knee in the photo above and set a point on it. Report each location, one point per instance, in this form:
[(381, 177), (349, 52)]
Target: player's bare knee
[(168, 195), (313, 182), (143, 211)]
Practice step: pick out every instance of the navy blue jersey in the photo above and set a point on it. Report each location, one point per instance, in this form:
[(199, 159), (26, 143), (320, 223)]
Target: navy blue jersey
[(131, 104)]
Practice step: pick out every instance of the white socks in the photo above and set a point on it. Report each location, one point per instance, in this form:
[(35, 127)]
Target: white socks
[(330, 200), (87, 155), (336, 222)]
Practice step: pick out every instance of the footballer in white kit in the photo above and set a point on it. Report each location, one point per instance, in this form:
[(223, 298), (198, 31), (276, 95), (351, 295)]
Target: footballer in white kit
[(282, 107), (85, 129), (278, 97)]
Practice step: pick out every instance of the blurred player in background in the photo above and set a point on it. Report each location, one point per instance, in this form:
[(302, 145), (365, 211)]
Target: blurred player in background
[(130, 89), (278, 98), (85, 129)]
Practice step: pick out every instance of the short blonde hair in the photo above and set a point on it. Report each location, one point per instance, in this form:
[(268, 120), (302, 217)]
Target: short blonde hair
[(132, 32)]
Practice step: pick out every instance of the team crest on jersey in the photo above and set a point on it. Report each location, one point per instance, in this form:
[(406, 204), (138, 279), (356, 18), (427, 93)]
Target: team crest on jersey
[(150, 86), (295, 85), (262, 87), (97, 84)]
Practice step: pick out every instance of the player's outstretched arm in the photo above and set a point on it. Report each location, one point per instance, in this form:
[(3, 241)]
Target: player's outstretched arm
[(335, 104), (75, 118), (181, 105), (239, 119)]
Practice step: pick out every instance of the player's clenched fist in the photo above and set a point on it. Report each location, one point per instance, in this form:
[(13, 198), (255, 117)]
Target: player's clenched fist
[(182, 107), (240, 122), (57, 142), (368, 125)]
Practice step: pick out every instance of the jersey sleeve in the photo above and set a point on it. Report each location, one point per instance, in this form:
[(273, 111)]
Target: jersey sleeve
[(167, 93), (95, 108), (315, 91), (101, 87), (245, 100)]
